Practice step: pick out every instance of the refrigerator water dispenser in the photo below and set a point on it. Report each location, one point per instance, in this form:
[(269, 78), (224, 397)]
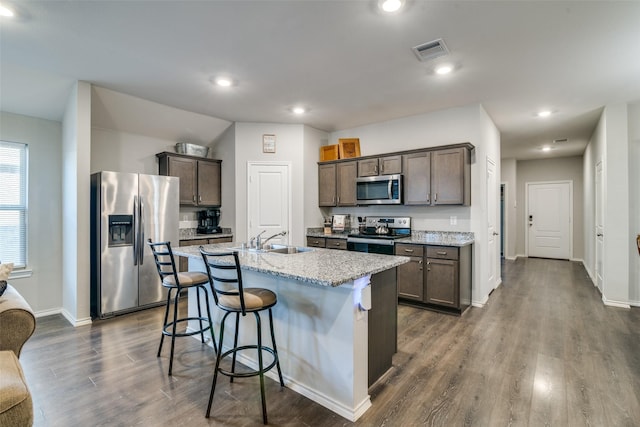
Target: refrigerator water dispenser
[(120, 230)]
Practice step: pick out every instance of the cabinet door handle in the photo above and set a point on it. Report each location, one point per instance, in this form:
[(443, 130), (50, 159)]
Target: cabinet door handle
[(338, 199), (337, 243), (409, 250), (194, 198), (435, 198), (333, 200), (441, 252), (375, 169), (199, 198)]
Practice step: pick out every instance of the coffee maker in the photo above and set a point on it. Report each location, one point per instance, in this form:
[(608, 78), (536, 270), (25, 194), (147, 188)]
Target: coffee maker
[(208, 221)]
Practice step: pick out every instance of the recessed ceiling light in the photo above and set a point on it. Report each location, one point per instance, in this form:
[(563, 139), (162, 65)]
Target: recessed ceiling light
[(5, 11), (546, 148), (298, 110), (224, 82), (390, 6), (544, 113), (444, 69)]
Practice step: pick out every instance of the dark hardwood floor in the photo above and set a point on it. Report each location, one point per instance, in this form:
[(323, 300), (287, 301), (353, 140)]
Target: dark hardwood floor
[(543, 351)]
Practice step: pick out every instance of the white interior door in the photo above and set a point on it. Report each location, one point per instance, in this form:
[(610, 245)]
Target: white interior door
[(599, 226), (548, 219), (269, 200), (492, 222)]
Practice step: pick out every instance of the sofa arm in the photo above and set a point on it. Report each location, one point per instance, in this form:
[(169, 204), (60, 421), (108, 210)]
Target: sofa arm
[(17, 321)]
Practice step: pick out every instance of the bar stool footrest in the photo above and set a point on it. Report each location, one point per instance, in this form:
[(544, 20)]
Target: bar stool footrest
[(249, 373), (185, 334)]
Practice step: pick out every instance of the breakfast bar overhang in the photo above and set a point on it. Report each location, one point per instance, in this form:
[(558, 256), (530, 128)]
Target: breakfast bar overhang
[(335, 320)]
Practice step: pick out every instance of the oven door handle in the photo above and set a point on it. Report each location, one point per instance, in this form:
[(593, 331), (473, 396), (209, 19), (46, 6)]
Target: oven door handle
[(370, 241)]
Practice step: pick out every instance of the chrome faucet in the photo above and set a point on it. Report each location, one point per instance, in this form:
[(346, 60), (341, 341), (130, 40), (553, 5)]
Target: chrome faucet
[(282, 233), (256, 238)]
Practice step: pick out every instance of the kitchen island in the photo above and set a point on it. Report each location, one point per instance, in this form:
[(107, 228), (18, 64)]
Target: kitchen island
[(335, 321)]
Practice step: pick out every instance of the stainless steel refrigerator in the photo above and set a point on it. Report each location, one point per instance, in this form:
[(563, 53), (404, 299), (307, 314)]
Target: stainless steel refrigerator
[(126, 210)]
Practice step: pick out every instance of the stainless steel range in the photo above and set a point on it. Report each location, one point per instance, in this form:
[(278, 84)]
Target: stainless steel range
[(379, 234)]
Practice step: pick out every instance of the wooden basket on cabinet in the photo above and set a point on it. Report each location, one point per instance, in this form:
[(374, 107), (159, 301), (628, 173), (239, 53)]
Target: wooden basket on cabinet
[(349, 147), (328, 152)]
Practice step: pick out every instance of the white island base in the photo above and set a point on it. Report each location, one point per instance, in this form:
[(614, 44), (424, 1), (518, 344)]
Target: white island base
[(321, 336)]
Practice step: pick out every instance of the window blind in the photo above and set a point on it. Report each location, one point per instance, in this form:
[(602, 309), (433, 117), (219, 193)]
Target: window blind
[(13, 203)]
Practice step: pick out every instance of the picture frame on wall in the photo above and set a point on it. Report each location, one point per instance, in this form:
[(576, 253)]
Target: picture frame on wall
[(268, 143), (349, 147)]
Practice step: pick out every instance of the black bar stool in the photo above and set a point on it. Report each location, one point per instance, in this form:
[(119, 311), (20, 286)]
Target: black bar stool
[(231, 296), (175, 281)]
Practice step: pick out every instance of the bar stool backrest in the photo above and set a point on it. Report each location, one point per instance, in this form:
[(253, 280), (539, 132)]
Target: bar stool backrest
[(225, 278), (165, 263)]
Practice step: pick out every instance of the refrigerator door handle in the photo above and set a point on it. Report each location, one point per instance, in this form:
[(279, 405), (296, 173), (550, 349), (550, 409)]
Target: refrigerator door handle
[(135, 230), (141, 244)]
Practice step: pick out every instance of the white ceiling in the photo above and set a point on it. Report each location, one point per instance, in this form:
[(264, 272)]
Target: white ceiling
[(347, 62)]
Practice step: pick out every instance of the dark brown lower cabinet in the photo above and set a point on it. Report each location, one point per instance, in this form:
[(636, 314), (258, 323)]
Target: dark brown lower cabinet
[(411, 274), (439, 280), (442, 282)]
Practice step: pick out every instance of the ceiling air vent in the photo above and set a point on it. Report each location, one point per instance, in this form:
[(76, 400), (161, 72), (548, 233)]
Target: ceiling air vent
[(556, 141), (430, 50)]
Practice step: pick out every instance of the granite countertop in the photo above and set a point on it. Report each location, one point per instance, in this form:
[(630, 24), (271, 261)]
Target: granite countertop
[(324, 267), (320, 233), (206, 236), (440, 238)]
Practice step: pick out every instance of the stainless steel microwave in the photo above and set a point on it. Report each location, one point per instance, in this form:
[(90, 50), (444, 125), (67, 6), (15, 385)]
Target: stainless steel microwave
[(379, 190)]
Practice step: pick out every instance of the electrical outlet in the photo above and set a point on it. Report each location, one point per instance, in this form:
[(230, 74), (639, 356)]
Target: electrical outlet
[(453, 220)]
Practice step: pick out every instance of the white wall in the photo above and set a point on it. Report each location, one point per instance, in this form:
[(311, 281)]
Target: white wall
[(634, 200), (612, 143), (225, 149), (43, 289), (76, 143), (589, 204), (313, 140), (508, 170), (553, 169), (616, 242), (452, 126), (289, 148), (114, 150)]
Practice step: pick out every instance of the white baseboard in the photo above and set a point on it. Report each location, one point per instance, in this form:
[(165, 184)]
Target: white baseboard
[(50, 312), (511, 258), (618, 304), (351, 414), (75, 322), (480, 304)]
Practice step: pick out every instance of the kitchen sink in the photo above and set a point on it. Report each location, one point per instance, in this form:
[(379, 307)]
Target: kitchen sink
[(245, 249), (284, 249), (274, 249)]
